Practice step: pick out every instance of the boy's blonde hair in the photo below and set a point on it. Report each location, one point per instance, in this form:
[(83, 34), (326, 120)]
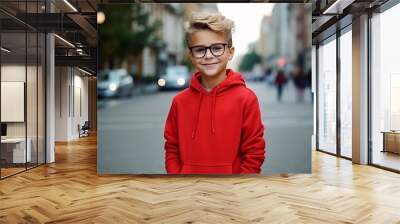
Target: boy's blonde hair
[(211, 21)]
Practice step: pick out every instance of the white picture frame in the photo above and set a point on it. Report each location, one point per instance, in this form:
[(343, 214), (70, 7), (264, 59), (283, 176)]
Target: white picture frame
[(12, 101)]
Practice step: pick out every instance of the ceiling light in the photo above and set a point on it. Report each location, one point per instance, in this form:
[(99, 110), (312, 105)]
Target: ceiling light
[(5, 49), (101, 17), (65, 41), (84, 71), (70, 5), (338, 6)]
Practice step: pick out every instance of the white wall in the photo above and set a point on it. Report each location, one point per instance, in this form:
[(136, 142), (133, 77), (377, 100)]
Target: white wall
[(62, 81), (70, 83), (79, 117)]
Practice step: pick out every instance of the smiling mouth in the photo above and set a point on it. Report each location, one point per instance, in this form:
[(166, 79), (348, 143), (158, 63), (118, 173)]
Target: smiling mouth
[(211, 63)]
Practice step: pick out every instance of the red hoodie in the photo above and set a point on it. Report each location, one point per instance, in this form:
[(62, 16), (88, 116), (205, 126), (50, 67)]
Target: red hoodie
[(216, 132)]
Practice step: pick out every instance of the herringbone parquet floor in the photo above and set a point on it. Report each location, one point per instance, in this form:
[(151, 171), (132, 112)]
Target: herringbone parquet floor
[(69, 191)]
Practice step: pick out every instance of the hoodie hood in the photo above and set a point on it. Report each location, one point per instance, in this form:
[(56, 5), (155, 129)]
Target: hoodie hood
[(233, 79)]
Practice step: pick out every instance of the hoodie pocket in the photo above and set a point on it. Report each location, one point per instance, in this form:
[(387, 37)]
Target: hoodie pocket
[(202, 168)]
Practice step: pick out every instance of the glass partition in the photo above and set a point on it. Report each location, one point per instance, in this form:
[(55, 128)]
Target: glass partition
[(346, 93), (327, 96), (22, 88), (13, 108), (385, 89)]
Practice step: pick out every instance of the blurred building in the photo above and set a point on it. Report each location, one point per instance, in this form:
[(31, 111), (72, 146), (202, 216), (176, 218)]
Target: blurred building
[(265, 33), (285, 36), (154, 59), (303, 35)]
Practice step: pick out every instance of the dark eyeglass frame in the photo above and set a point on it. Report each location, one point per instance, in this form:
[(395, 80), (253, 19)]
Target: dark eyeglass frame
[(209, 48)]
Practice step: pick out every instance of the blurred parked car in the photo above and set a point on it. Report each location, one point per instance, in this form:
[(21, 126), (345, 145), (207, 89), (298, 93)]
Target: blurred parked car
[(176, 77), (115, 83)]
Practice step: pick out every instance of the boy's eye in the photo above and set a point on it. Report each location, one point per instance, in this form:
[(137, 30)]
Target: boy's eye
[(217, 48), (198, 49)]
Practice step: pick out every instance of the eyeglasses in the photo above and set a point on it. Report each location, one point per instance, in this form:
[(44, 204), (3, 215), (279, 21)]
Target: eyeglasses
[(217, 50)]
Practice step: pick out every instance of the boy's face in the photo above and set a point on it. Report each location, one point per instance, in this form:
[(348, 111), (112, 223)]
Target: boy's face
[(212, 63)]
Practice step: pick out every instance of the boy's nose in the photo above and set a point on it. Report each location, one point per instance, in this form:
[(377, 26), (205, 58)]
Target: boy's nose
[(208, 54)]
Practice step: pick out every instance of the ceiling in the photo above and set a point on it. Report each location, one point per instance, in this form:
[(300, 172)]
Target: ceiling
[(75, 22), (330, 15), (72, 20)]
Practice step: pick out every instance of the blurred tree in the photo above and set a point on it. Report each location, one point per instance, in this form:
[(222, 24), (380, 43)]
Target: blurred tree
[(249, 60), (186, 57), (187, 62), (126, 32)]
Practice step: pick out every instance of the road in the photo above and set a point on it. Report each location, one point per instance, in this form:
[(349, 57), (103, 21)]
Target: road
[(130, 132)]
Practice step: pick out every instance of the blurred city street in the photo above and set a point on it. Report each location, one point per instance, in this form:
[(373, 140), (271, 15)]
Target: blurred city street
[(274, 56), (131, 130)]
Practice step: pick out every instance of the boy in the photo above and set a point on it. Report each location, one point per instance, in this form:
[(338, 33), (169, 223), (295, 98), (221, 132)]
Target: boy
[(214, 126)]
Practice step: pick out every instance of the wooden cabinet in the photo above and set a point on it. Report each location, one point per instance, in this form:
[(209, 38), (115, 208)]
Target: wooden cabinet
[(391, 142)]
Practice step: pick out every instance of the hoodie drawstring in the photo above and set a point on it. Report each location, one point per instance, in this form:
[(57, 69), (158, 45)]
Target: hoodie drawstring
[(232, 80), (196, 118), (213, 112)]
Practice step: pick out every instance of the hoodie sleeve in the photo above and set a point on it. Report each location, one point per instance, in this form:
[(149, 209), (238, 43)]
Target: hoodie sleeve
[(252, 140), (172, 158)]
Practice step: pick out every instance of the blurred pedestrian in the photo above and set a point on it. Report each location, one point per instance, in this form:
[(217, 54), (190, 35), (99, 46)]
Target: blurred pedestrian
[(309, 83), (300, 82), (267, 77), (280, 81)]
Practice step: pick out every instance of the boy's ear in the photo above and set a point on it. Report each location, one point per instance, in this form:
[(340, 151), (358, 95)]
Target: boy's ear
[(231, 51)]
